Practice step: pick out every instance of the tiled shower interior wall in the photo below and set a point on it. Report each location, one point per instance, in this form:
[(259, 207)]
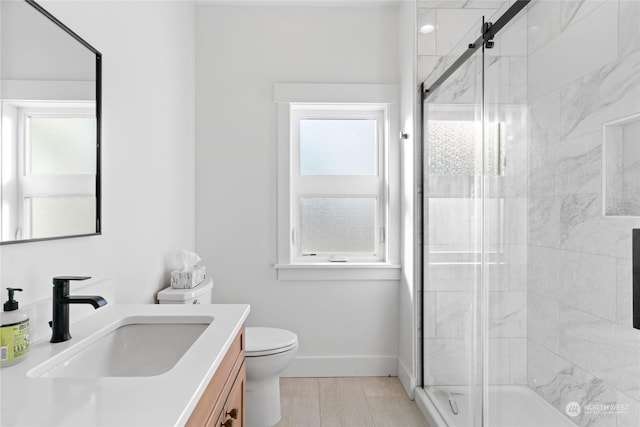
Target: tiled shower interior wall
[(560, 272), (581, 346)]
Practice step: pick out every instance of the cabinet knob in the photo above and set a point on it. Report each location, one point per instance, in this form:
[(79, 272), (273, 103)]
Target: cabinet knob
[(228, 423), (233, 413)]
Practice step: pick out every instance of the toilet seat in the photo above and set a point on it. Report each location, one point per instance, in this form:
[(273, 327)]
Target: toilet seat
[(261, 341)]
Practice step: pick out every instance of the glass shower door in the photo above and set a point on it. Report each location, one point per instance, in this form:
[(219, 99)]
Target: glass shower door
[(504, 296), (453, 240)]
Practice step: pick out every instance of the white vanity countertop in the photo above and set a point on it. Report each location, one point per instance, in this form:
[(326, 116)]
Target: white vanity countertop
[(161, 400)]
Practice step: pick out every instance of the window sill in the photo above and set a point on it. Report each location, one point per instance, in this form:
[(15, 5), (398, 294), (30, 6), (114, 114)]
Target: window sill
[(338, 271)]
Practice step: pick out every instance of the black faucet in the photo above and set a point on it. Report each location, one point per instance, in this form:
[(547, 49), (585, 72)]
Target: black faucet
[(61, 300)]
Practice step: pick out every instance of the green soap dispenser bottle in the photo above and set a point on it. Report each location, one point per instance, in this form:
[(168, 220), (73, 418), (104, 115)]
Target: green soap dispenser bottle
[(14, 332)]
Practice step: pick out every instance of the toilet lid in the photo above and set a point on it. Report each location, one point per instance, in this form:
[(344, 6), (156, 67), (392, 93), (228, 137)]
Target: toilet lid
[(262, 341)]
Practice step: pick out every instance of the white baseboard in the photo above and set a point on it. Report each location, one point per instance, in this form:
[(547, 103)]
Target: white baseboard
[(338, 366), (407, 379)]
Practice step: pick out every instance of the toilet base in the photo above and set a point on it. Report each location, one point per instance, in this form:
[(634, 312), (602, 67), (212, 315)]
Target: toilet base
[(263, 403)]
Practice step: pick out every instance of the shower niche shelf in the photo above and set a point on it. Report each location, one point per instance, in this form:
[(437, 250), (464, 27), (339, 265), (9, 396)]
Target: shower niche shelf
[(621, 167)]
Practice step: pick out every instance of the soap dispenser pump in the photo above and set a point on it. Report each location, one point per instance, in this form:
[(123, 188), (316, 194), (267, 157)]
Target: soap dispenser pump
[(14, 332)]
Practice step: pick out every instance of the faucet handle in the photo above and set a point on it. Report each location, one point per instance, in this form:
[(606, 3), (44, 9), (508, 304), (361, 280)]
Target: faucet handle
[(62, 280)]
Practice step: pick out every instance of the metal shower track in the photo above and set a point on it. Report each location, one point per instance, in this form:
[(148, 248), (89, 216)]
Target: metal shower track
[(489, 30)]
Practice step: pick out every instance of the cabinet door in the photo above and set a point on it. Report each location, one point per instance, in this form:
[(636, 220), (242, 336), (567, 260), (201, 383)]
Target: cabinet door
[(234, 408)]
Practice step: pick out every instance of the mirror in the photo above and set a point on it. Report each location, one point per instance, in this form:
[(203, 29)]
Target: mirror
[(49, 129)]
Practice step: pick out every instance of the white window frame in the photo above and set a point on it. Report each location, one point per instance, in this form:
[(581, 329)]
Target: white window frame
[(373, 186), (295, 101)]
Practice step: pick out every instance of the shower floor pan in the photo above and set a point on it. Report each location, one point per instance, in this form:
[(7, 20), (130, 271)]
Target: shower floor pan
[(509, 406)]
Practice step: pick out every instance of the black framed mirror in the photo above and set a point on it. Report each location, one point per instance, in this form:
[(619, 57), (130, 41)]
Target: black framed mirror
[(50, 90)]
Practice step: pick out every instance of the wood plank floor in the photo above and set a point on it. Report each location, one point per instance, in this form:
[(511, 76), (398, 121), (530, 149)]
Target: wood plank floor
[(347, 402)]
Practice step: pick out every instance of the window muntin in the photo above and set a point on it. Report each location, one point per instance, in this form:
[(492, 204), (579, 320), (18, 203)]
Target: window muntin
[(338, 183)]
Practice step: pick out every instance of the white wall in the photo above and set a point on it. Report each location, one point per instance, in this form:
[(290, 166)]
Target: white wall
[(407, 338), (345, 328), (148, 153)]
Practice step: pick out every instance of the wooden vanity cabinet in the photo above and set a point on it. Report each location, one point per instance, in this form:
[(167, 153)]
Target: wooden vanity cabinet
[(222, 403)]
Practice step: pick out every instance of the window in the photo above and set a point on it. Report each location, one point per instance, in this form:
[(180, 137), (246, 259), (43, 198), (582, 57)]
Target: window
[(338, 182), (338, 188)]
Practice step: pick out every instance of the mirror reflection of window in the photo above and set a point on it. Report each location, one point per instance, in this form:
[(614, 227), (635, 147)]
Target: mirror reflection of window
[(50, 216), (61, 144), (56, 169)]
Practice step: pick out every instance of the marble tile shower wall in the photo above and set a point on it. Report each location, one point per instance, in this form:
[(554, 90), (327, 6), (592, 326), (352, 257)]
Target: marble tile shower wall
[(583, 71), (452, 208)]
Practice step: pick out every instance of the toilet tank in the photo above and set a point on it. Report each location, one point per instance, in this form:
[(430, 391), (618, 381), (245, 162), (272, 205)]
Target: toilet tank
[(201, 294)]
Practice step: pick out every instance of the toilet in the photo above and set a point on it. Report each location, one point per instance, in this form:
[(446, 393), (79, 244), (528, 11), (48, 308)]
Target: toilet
[(268, 351)]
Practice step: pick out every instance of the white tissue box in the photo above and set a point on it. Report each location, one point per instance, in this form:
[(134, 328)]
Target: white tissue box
[(188, 278)]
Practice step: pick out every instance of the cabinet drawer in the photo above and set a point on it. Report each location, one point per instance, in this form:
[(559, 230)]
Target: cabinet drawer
[(215, 395)]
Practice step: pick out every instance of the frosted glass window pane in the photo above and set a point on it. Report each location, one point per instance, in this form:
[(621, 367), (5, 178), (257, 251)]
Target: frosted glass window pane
[(338, 147), (338, 224), (62, 145), (62, 216)]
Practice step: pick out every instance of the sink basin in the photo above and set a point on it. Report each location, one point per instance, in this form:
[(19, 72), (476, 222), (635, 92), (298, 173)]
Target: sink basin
[(134, 346)]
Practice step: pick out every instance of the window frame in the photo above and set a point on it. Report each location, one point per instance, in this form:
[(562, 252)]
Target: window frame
[(336, 186), (288, 97)]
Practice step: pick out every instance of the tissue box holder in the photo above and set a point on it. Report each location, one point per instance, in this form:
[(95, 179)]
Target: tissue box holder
[(187, 279)]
